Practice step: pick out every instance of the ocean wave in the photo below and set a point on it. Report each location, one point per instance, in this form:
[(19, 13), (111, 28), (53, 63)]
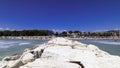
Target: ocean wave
[(7, 44), (25, 43)]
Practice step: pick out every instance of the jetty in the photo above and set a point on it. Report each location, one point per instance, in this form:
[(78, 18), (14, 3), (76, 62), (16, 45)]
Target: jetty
[(62, 53)]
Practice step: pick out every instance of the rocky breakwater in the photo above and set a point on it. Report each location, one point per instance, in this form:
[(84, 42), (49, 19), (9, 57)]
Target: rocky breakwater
[(62, 53)]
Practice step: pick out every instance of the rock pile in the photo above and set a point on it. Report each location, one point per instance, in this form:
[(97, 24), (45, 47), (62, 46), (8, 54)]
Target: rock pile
[(62, 53)]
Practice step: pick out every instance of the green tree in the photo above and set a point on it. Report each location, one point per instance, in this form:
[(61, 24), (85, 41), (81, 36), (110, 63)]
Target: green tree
[(70, 32)]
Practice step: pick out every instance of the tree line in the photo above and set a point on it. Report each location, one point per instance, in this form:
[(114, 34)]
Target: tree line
[(26, 33), (75, 33), (78, 33)]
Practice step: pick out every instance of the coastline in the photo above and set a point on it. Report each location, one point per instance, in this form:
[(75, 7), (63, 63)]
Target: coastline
[(26, 37), (50, 37)]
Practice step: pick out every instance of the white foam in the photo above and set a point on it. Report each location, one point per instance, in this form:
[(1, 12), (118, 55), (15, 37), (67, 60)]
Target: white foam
[(7, 44), (4, 46), (25, 43)]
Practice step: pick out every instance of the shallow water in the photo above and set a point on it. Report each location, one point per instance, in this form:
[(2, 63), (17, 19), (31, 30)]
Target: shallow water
[(10, 47), (110, 46)]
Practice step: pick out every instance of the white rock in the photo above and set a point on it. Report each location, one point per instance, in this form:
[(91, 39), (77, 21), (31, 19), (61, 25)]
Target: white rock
[(27, 58), (3, 64), (78, 43), (14, 64), (10, 63), (61, 41), (92, 47), (56, 53), (97, 51), (86, 56), (43, 46), (59, 53), (42, 63), (66, 53), (8, 58)]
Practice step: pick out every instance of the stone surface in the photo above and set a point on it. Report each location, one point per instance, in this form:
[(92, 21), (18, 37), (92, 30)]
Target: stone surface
[(8, 58), (63, 53), (42, 63), (64, 42), (14, 64), (3, 64), (27, 58)]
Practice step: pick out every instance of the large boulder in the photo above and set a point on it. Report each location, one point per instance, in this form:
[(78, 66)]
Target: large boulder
[(3, 64), (43, 63), (14, 64), (8, 58), (29, 57)]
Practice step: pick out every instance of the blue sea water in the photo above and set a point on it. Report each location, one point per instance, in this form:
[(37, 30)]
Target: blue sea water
[(10, 47)]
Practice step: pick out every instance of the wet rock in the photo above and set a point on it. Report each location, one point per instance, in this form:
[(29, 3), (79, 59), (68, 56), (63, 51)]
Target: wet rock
[(8, 58)]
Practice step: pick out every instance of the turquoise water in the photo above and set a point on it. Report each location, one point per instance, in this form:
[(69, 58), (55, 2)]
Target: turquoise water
[(10, 47), (110, 46)]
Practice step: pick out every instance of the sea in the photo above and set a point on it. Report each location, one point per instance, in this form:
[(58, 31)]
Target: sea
[(11, 47)]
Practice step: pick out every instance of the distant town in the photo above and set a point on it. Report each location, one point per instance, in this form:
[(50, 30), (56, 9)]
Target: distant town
[(110, 34)]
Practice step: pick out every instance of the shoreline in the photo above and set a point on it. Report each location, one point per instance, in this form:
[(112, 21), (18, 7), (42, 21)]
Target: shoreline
[(26, 37), (50, 37)]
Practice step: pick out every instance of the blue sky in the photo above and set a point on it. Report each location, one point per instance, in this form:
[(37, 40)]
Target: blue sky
[(84, 15)]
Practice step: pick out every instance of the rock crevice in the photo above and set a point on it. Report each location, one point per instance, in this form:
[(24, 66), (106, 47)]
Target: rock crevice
[(78, 62)]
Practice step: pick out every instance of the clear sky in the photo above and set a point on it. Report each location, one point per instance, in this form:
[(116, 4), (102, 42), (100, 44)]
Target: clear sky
[(84, 15)]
